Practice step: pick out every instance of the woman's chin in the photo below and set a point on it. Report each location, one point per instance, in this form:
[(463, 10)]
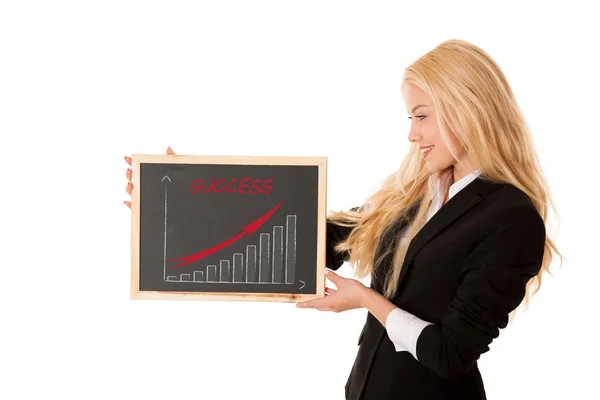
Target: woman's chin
[(434, 167)]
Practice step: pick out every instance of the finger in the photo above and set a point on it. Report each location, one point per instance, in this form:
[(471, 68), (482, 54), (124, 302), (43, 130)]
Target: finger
[(128, 160), (129, 188), (314, 303), (127, 203), (170, 151), (333, 277), (128, 174), (330, 290)]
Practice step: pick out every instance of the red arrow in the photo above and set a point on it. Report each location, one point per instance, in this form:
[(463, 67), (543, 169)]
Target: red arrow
[(247, 230)]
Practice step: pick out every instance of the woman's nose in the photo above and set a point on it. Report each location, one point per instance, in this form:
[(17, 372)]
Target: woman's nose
[(413, 135)]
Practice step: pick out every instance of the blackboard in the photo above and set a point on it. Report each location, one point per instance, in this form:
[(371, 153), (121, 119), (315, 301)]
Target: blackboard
[(245, 228)]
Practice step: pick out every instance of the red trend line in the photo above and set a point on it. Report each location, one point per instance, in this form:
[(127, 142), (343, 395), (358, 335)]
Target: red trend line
[(247, 230)]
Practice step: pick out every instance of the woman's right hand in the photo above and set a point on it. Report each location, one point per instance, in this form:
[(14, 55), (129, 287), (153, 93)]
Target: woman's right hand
[(129, 172)]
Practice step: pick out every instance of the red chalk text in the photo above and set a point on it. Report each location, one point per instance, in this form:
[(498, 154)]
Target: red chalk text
[(245, 185)]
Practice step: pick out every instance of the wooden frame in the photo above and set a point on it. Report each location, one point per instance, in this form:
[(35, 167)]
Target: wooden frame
[(138, 159)]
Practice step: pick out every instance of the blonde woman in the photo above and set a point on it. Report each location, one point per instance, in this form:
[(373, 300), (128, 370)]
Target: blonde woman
[(454, 241)]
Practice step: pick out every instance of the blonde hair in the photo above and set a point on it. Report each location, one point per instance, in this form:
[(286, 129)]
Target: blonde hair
[(475, 103)]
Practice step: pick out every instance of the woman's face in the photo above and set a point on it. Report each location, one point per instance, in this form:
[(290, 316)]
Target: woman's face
[(424, 130)]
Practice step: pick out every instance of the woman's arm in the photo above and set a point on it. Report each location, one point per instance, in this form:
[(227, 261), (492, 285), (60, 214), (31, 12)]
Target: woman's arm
[(495, 275), (494, 279), (403, 328)]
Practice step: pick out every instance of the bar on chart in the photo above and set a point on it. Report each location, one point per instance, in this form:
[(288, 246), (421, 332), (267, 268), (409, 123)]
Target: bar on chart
[(264, 268), (238, 267), (211, 273), (251, 264), (277, 254), (225, 273), (290, 249)]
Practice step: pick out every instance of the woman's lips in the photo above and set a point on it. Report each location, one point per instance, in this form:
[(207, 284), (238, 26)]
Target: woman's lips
[(426, 151)]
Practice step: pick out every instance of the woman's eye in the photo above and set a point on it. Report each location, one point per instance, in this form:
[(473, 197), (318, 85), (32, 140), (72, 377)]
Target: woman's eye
[(421, 117)]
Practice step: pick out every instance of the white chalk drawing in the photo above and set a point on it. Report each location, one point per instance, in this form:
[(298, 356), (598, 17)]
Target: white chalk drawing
[(165, 234), (276, 260)]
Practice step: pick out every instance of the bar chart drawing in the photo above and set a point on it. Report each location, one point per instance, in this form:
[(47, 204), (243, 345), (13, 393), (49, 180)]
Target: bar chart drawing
[(270, 261)]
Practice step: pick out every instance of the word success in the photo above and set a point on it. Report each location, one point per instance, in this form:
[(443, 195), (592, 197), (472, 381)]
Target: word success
[(244, 186)]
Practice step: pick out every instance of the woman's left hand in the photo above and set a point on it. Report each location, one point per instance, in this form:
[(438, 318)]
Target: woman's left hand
[(348, 295)]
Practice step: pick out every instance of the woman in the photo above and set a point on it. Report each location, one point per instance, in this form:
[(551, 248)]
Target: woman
[(465, 242), (453, 241)]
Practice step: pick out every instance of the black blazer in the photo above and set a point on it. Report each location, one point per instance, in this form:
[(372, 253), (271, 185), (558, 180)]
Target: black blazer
[(465, 271)]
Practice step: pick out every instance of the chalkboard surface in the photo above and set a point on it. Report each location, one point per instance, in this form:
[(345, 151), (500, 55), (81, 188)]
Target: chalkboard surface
[(228, 227)]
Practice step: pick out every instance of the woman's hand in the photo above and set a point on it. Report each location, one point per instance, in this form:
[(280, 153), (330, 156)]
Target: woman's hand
[(129, 172), (350, 294)]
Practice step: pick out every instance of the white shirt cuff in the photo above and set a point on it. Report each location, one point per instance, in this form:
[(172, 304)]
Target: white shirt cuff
[(404, 329)]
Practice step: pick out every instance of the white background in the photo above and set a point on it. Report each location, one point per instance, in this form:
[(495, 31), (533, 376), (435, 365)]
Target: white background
[(84, 83)]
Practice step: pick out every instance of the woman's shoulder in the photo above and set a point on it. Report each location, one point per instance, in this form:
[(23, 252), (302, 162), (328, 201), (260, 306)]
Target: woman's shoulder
[(511, 205), (509, 219), (503, 195)]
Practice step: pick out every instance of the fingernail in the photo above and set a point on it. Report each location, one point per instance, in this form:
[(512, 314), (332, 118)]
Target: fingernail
[(325, 271)]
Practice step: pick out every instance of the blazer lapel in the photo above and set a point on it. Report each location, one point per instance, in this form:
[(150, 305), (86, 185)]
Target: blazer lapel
[(462, 202)]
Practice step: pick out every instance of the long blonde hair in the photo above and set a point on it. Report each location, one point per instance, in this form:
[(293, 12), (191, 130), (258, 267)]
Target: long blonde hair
[(475, 103)]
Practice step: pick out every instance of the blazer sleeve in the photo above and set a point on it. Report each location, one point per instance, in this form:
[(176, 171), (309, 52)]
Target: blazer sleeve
[(508, 254), (334, 235)]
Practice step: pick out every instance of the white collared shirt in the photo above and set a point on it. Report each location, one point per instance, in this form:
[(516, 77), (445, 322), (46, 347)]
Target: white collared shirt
[(402, 327)]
